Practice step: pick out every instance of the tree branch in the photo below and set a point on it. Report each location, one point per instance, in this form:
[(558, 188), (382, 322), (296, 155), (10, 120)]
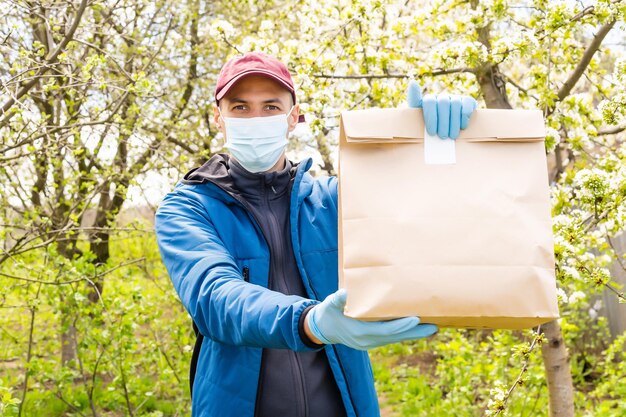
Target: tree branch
[(51, 59), (54, 129), (593, 47), (388, 76), (519, 87), (520, 378), (73, 281), (192, 73), (611, 130)]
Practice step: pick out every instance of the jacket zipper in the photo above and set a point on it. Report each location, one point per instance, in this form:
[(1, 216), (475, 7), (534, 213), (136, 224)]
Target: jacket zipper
[(283, 287), (304, 410), (246, 274), (277, 256), (259, 389)]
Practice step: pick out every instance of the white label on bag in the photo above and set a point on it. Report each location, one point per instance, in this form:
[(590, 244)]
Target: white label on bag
[(438, 151)]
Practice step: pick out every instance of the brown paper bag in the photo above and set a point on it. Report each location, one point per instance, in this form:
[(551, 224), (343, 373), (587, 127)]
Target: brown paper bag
[(464, 244)]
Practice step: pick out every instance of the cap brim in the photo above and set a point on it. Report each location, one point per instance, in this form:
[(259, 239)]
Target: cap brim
[(255, 71)]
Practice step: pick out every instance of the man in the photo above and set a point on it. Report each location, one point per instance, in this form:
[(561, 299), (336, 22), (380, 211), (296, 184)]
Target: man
[(250, 242)]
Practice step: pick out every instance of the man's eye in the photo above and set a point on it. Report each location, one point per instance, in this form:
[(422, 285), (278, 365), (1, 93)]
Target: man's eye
[(271, 107), (240, 107)]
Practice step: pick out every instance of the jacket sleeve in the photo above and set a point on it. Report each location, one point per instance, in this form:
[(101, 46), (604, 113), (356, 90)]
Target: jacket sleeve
[(224, 306)]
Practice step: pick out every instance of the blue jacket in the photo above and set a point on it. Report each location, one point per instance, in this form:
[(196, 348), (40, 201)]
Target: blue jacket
[(207, 238)]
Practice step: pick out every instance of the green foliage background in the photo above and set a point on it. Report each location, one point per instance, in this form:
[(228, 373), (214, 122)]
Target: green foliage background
[(137, 341), (127, 103)]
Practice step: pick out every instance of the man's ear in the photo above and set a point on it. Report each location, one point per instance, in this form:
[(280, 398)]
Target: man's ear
[(294, 117), (217, 119)]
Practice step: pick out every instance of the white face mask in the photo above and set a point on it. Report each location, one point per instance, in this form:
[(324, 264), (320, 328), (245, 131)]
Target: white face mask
[(257, 142)]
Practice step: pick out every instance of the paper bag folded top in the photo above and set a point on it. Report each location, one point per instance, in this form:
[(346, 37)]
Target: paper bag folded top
[(462, 244)]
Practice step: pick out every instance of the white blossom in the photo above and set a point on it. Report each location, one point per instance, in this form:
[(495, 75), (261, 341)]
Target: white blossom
[(577, 296), (221, 28)]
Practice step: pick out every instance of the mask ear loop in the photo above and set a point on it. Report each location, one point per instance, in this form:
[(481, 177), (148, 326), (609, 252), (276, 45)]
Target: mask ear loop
[(221, 116), (289, 114)]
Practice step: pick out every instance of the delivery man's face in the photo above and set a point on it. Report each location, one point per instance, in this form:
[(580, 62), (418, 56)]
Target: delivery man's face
[(256, 96)]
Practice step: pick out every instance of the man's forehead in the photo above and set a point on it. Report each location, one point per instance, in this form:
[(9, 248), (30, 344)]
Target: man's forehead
[(255, 85), (238, 99)]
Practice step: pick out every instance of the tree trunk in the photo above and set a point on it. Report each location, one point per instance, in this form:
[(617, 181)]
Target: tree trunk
[(554, 352), (556, 364), (493, 87), (68, 336), (68, 320)]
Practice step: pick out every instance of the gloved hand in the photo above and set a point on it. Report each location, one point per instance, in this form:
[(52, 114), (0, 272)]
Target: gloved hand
[(444, 115), (327, 322)]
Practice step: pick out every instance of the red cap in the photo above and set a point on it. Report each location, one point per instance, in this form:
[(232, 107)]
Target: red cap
[(253, 63)]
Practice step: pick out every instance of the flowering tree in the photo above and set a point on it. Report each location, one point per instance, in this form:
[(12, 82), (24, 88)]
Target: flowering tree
[(91, 95), (103, 96)]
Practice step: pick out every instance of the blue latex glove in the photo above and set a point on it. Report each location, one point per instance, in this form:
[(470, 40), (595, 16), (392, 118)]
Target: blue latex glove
[(327, 322), (444, 115)]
